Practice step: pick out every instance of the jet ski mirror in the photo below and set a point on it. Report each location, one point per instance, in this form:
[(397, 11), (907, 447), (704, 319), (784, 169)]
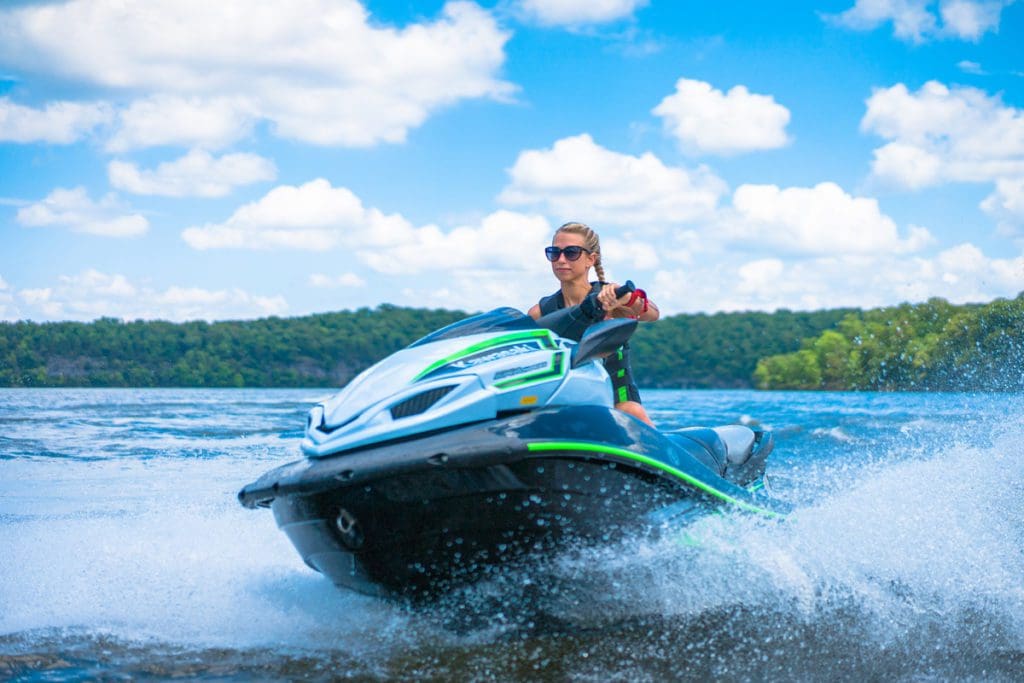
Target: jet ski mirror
[(601, 339)]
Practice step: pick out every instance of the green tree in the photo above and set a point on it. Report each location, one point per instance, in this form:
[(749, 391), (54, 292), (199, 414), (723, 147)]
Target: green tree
[(799, 370), (932, 345)]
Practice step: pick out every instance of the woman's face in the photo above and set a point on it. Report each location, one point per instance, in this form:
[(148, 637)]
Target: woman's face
[(566, 270)]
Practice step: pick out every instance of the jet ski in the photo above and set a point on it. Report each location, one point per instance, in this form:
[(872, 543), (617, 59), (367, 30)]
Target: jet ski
[(490, 441)]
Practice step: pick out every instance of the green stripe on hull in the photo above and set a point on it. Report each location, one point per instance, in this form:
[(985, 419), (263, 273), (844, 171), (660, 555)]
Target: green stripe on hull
[(547, 446)]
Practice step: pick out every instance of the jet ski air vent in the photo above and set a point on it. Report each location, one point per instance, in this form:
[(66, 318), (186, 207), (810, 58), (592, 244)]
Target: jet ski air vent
[(414, 405)]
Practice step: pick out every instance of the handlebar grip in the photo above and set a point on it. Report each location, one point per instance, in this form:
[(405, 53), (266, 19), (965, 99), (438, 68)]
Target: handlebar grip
[(592, 310), (625, 289)]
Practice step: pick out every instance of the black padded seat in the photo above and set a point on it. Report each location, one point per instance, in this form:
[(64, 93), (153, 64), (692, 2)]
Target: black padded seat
[(713, 454)]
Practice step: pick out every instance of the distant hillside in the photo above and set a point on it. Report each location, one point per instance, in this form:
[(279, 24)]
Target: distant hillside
[(317, 350), (327, 350), (933, 345)]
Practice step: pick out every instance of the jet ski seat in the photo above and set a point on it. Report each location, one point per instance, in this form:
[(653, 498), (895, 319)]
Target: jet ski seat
[(738, 440), (729, 445)]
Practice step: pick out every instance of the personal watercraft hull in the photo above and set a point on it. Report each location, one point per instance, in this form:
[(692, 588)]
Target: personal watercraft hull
[(417, 516)]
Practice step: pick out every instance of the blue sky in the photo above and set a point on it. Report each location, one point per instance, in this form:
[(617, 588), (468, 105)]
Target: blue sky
[(187, 159)]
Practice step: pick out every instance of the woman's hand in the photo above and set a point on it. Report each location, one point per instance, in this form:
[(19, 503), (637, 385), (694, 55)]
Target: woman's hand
[(642, 308), (606, 297)]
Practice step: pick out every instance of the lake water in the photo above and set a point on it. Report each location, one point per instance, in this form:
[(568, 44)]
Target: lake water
[(125, 554)]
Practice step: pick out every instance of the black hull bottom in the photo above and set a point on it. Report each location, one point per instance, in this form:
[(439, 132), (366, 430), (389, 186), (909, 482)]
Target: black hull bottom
[(425, 532), (418, 515)]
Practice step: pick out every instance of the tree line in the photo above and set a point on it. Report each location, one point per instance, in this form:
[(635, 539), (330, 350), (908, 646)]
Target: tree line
[(318, 350), (932, 346), (326, 350), (935, 345)]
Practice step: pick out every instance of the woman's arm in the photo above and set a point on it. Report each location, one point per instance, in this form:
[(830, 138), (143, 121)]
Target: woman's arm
[(648, 316)]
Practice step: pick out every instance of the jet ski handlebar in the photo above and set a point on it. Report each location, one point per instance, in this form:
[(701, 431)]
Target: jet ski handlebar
[(625, 289)]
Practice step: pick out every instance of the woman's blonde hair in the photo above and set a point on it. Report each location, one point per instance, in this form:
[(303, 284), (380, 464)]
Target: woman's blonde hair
[(590, 240)]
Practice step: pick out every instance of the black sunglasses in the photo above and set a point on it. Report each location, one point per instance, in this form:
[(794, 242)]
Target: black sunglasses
[(572, 253)]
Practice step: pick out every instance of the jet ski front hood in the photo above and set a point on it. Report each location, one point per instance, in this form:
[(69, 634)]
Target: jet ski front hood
[(438, 385)]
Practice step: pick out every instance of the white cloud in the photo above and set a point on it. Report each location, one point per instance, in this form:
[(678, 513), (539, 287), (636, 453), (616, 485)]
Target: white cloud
[(496, 262), (703, 119), (969, 67), (472, 289), (960, 274), (969, 19), (823, 219), (504, 240), (208, 70), (74, 209), (314, 216), (632, 251), (58, 123), (318, 217), (210, 122), (942, 135), (197, 174), (192, 303), (911, 166), (7, 309), (578, 12), (500, 262), (93, 294), (972, 276), (910, 18), (40, 300), (913, 20), (760, 275), (345, 280), (578, 179), (1006, 205)]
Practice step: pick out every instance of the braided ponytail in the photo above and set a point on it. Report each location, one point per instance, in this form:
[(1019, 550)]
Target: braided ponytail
[(590, 241)]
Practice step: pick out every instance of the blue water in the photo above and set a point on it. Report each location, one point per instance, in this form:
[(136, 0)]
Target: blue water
[(124, 554)]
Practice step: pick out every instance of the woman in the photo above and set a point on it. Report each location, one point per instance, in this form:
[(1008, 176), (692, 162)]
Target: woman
[(574, 250)]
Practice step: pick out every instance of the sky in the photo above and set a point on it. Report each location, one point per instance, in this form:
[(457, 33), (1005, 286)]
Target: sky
[(237, 159)]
